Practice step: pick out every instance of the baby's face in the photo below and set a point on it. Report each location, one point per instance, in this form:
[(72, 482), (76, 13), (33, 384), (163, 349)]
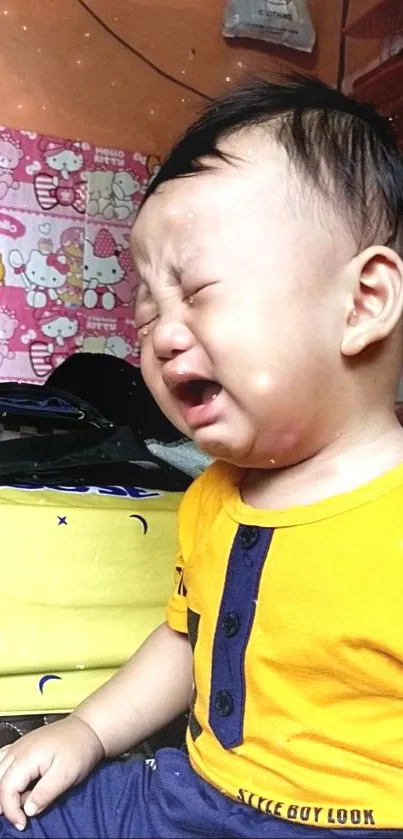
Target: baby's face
[(239, 308)]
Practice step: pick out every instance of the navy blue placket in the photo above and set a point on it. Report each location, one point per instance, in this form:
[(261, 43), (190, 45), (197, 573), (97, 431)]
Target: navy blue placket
[(234, 624)]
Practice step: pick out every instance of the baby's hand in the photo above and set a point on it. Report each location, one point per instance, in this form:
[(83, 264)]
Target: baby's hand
[(60, 755)]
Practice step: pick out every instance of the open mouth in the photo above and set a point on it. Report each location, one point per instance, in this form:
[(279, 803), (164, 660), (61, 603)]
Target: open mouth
[(198, 392)]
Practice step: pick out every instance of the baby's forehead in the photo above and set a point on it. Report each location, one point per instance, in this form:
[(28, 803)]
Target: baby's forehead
[(253, 193), (246, 175)]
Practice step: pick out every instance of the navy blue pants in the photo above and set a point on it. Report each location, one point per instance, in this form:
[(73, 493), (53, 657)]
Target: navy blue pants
[(135, 800)]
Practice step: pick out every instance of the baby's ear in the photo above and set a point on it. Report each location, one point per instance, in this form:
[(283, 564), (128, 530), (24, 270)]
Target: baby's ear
[(376, 301)]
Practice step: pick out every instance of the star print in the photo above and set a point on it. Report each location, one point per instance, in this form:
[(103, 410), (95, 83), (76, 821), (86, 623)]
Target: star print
[(62, 520)]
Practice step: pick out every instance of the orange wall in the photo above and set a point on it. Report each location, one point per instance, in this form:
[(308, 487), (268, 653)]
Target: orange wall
[(61, 73)]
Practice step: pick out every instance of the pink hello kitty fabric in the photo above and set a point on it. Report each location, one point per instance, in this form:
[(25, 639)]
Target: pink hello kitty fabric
[(66, 278)]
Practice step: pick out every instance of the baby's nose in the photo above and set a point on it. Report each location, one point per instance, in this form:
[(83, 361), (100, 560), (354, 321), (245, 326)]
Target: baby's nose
[(170, 337)]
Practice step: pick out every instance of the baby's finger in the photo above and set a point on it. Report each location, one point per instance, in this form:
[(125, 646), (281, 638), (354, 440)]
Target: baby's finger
[(4, 765), (3, 753), (50, 786), (15, 781)]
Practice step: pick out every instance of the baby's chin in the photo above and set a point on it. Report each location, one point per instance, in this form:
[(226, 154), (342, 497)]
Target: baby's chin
[(220, 444)]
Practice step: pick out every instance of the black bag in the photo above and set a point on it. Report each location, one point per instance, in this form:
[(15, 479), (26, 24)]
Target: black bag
[(62, 440), (118, 391)]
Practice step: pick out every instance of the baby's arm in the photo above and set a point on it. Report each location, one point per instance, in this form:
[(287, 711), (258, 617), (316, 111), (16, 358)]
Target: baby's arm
[(148, 692)]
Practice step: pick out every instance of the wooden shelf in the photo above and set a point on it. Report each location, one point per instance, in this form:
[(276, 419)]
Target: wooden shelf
[(383, 88), (383, 19)]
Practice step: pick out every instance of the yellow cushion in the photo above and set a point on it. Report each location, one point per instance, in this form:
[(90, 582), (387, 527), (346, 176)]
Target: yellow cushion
[(85, 576)]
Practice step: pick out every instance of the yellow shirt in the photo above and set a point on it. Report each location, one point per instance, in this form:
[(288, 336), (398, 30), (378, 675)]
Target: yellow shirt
[(85, 576), (296, 620)]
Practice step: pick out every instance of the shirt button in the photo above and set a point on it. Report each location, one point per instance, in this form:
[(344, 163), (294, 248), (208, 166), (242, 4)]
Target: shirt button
[(230, 624), (249, 536), (224, 703)]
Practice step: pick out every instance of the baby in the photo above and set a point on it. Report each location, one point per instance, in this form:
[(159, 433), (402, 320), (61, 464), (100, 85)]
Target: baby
[(270, 318)]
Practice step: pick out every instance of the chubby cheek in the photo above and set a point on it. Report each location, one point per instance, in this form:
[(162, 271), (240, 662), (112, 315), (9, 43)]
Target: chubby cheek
[(291, 428), (275, 402), (281, 445)]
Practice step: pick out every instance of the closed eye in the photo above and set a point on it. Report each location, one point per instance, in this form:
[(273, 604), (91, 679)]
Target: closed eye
[(192, 294), (145, 324)]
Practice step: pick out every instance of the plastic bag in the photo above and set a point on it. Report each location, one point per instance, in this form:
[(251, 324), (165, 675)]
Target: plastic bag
[(285, 22)]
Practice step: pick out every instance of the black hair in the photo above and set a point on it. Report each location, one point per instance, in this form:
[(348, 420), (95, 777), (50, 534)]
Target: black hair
[(343, 148)]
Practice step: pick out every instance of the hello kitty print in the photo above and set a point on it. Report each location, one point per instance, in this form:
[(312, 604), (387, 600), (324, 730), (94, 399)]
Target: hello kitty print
[(67, 282)]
